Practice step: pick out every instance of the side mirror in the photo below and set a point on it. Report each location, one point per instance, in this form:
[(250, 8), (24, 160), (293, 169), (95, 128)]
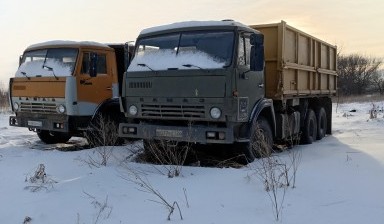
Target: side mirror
[(257, 58), (127, 56), (257, 52), (256, 39), (93, 64), (20, 60)]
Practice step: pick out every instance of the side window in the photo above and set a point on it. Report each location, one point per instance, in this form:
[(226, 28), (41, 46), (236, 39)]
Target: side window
[(244, 51), (85, 64), (241, 52), (247, 51), (101, 63)]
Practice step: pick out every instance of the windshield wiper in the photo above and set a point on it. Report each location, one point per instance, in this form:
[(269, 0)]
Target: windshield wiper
[(51, 69), (190, 66), (25, 74), (145, 65)]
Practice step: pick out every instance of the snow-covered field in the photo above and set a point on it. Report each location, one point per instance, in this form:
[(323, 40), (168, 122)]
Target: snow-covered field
[(340, 179)]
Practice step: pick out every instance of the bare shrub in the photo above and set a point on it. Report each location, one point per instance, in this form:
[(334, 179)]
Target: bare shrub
[(295, 160), (275, 173), (139, 179), (103, 209), (4, 105), (373, 112), (102, 135), (39, 180), (294, 154), (27, 220), (171, 155)]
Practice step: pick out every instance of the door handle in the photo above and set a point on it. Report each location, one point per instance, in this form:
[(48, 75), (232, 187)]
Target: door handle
[(85, 82), (261, 85), (109, 88)]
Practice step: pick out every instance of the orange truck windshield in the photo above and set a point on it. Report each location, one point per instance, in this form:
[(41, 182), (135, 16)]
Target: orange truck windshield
[(57, 62)]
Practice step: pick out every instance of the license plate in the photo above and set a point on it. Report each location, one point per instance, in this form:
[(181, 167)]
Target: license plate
[(169, 133), (35, 123)]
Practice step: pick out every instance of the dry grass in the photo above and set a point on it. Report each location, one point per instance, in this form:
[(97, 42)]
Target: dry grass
[(359, 98)]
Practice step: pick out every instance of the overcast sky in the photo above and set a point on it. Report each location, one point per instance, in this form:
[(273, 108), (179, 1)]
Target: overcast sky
[(355, 26)]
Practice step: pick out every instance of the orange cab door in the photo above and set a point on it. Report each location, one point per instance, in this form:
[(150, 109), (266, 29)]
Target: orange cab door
[(92, 91)]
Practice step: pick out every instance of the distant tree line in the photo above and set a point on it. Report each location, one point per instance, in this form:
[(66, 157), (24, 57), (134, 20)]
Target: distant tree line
[(3, 98), (359, 75)]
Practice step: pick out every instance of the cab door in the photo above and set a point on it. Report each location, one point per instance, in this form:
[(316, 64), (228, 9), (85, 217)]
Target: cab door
[(92, 91), (250, 84)]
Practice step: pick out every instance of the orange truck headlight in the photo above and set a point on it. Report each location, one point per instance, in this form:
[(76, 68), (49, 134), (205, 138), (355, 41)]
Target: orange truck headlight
[(60, 109)]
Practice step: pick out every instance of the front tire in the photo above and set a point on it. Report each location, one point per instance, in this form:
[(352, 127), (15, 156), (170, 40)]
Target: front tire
[(53, 137), (260, 141)]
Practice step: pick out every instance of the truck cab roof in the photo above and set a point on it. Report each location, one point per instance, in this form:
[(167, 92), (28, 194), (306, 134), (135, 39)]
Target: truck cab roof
[(66, 43), (196, 25)]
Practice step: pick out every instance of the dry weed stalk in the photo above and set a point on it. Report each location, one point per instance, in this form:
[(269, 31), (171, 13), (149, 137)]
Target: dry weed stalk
[(39, 180), (294, 154), (27, 220), (273, 173), (139, 179), (103, 209), (103, 136), (373, 112), (171, 155)]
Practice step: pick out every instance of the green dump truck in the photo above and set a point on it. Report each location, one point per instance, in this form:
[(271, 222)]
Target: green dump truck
[(222, 82)]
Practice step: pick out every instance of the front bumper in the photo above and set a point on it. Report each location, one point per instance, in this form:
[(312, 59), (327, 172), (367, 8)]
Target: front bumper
[(50, 123), (193, 133)]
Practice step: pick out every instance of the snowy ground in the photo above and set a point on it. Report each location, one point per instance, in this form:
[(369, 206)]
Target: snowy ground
[(340, 179)]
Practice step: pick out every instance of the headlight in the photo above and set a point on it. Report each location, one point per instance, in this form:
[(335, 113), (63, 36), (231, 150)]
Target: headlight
[(15, 106), (215, 113), (132, 110), (60, 109)]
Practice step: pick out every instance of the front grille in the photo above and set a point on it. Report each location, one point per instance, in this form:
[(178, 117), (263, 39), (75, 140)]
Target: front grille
[(37, 107), (140, 85), (173, 111)]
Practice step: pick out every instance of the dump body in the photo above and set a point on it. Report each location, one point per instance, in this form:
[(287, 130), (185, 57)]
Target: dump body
[(296, 64)]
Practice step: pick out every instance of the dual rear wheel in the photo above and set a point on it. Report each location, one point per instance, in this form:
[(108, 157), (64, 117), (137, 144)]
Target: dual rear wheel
[(315, 126), (261, 136)]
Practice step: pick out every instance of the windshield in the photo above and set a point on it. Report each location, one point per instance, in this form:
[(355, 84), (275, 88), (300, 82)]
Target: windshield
[(48, 62), (190, 50)]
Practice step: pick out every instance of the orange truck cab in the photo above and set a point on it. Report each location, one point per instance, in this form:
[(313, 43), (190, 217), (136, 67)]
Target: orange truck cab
[(60, 86)]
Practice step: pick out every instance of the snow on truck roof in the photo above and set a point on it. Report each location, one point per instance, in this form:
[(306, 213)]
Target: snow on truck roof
[(186, 24), (66, 43)]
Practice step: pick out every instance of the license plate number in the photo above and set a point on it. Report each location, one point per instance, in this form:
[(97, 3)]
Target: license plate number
[(35, 123), (169, 133)]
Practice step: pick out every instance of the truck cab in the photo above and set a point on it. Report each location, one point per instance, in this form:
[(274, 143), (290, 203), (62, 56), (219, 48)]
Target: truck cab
[(61, 85), (193, 81)]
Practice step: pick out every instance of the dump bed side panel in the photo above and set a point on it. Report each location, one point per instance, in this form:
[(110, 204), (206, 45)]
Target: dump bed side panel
[(297, 64)]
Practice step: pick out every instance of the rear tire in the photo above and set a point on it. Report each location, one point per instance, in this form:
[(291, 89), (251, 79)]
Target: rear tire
[(310, 128), (53, 137), (321, 123)]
